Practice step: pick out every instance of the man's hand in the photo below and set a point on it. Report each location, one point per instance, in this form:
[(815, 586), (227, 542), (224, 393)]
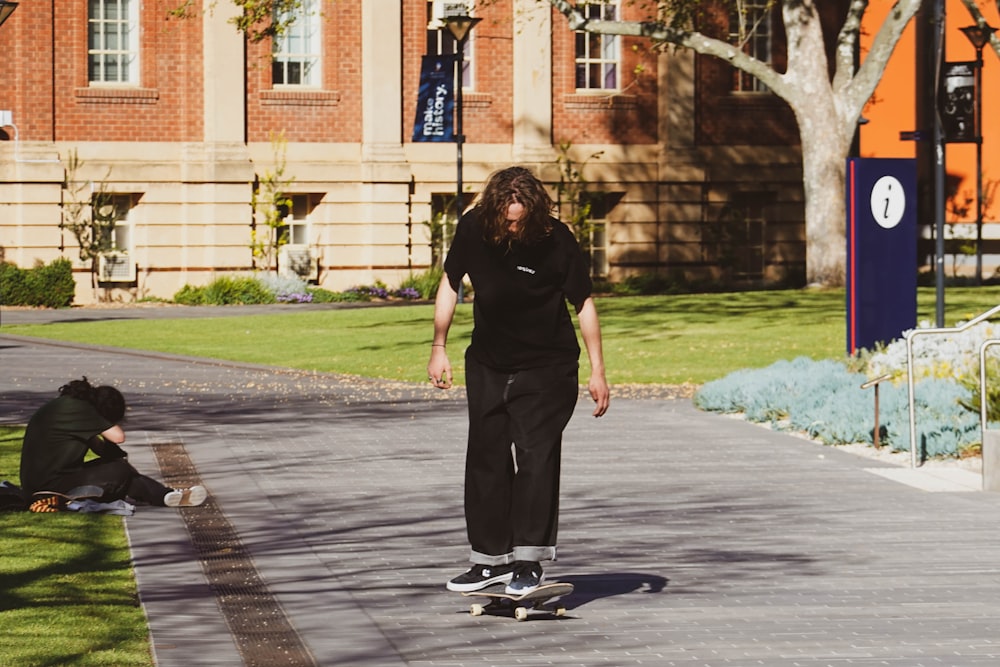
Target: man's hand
[(439, 368), (600, 392)]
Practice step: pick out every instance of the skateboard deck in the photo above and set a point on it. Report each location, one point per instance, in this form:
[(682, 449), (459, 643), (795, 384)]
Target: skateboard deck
[(538, 599), (54, 501)]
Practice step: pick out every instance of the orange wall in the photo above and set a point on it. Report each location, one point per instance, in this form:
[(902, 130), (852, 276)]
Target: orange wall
[(892, 108)]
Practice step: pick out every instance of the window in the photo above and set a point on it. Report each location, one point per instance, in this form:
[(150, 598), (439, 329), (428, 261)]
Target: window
[(598, 57), (739, 238), (750, 30), (296, 220), (441, 42), (116, 264), (598, 207), (121, 239), (297, 52), (295, 256), (113, 41), (599, 249)]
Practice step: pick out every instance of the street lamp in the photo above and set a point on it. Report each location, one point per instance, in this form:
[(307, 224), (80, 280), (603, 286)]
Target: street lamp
[(459, 27), (6, 9), (979, 35)]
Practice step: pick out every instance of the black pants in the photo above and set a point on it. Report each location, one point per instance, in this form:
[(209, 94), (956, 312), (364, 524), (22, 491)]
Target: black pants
[(116, 479), (512, 501)]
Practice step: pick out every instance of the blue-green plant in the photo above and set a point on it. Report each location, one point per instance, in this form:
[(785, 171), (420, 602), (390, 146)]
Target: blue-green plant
[(825, 400)]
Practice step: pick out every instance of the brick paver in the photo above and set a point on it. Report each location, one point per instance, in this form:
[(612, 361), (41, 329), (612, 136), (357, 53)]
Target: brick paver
[(693, 539)]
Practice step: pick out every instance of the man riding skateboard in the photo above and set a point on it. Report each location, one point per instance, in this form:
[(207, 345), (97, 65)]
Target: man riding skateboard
[(521, 372)]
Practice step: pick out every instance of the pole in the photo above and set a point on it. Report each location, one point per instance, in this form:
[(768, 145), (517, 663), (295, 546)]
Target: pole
[(459, 137), (979, 165), (459, 140), (939, 166)]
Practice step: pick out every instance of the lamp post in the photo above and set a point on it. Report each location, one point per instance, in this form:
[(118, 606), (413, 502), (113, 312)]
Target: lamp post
[(6, 9), (459, 27), (979, 35)]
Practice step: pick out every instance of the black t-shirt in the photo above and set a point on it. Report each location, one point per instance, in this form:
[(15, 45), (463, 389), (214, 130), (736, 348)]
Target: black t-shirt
[(520, 316), (56, 440)]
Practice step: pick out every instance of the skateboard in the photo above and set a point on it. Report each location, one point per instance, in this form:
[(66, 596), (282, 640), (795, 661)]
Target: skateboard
[(54, 501), (537, 599)]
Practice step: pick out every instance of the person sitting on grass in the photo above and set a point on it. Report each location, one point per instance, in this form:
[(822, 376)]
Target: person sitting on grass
[(56, 441)]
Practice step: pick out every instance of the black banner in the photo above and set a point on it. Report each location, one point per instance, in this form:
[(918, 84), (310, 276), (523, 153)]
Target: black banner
[(436, 99), (957, 96)]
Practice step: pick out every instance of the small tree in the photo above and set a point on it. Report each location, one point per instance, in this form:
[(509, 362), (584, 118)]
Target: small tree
[(271, 204), (258, 20), (441, 228), (573, 190), (89, 213)]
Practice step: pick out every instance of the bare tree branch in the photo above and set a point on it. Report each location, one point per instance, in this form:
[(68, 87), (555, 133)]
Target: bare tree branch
[(661, 33)]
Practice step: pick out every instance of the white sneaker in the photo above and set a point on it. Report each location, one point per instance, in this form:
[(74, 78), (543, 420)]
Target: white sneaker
[(192, 497)]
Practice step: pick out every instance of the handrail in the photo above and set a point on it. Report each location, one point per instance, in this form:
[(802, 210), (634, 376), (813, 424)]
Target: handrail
[(909, 369), (982, 384)]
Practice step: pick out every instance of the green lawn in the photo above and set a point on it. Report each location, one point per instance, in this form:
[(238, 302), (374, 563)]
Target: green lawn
[(69, 597), (653, 339)]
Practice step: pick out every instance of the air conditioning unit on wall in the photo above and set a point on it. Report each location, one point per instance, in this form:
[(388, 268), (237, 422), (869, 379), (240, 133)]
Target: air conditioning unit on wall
[(296, 260), (115, 267), (441, 10)]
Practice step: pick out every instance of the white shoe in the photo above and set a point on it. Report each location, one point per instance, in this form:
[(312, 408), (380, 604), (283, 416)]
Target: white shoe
[(192, 497)]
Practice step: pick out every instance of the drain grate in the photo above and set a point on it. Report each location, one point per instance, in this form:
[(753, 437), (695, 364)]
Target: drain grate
[(262, 631)]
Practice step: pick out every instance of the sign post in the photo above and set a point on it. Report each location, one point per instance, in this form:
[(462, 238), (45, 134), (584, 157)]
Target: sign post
[(881, 250)]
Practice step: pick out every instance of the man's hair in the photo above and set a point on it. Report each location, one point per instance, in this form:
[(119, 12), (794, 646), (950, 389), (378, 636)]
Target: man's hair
[(515, 185), (108, 401)]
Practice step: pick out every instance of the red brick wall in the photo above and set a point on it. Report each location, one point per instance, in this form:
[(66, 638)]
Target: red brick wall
[(27, 89), (488, 108), (331, 114), (167, 104), (627, 118)]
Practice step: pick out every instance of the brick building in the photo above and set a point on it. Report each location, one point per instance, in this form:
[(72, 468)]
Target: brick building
[(177, 120)]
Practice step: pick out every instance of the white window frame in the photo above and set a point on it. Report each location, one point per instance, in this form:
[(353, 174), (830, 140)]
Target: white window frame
[(441, 42), (750, 31), (298, 216), (113, 39), (300, 45), (600, 264), (598, 57), (122, 237)]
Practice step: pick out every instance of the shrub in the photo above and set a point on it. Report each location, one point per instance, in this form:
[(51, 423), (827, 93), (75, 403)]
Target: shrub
[(13, 287), (409, 293), (232, 290), (320, 295), (285, 289), (190, 296), (825, 400), (424, 284), (225, 291), (646, 283), (369, 292), (49, 285), (952, 356)]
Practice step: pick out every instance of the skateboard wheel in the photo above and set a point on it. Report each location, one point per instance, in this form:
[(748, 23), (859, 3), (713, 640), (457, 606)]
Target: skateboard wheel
[(521, 614), (476, 610), (560, 611)]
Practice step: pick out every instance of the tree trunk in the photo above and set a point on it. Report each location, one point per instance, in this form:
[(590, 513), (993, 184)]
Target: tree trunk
[(824, 159), (825, 143)]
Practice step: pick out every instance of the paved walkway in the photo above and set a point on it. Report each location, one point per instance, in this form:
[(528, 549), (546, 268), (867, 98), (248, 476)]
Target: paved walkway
[(693, 539)]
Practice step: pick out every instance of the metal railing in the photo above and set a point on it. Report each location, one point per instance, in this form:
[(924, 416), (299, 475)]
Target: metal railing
[(982, 384), (909, 370)]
